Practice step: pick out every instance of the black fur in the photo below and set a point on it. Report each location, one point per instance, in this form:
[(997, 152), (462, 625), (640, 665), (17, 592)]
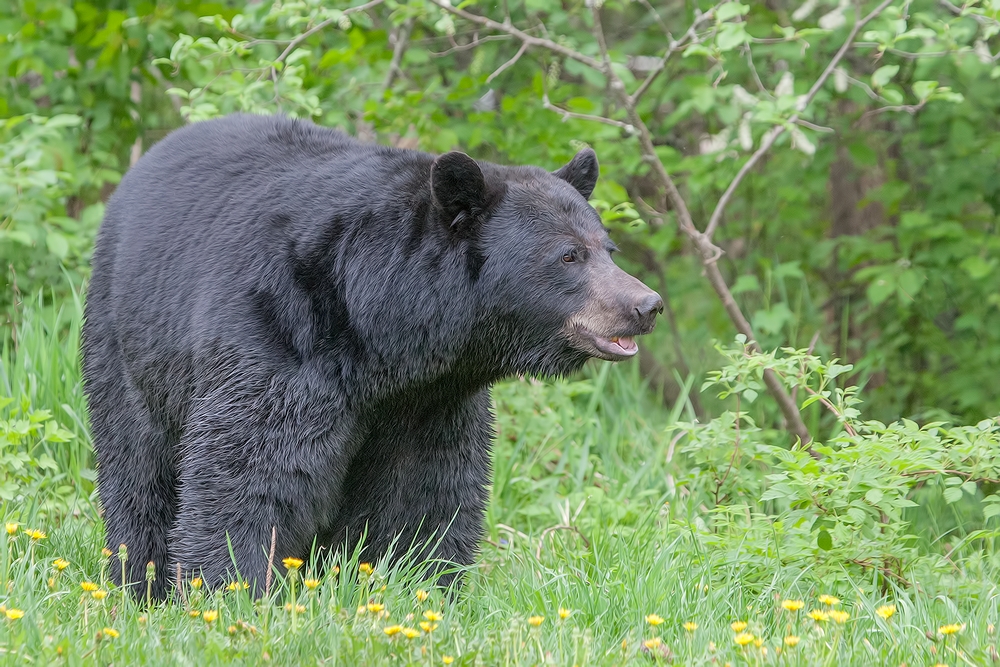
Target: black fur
[(288, 328)]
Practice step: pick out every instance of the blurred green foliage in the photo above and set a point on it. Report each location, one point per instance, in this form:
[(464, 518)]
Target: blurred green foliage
[(870, 232)]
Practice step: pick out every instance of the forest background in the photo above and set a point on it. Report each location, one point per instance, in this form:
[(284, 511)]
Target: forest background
[(813, 188)]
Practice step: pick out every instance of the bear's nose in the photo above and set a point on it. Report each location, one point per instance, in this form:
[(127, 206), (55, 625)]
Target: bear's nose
[(647, 310)]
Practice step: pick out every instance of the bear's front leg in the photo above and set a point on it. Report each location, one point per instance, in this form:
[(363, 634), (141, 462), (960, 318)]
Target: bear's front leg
[(420, 480), (257, 459)]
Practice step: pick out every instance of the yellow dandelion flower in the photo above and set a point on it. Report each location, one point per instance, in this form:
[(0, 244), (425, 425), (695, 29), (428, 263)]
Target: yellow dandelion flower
[(758, 642), (106, 552), (311, 584), (422, 595), (743, 638), (829, 600), (392, 629), (690, 626), (99, 594), (52, 582), (196, 583), (210, 616), (535, 621), (792, 640), (792, 605), (432, 615), (60, 564), (361, 610), (11, 528), (410, 633), (654, 619), (88, 586), (299, 609), (564, 613), (839, 616), (886, 611), (375, 607), (36, 534), (336, 569), (111, 632), (951, 628), (194, 613), (366, 568), (428, 627), (818, 616), (291, 563), (653, 643), (447, 659), (738, 626), (142, 620), (13, 614)]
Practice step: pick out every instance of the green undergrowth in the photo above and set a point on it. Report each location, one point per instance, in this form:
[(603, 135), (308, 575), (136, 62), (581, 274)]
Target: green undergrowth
[(621, 531)]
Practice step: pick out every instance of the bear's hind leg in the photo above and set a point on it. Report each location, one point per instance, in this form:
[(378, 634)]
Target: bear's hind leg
[(135, 474)]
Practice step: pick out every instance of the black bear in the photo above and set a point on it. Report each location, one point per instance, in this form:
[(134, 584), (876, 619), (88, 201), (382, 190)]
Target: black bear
[(289, 330)]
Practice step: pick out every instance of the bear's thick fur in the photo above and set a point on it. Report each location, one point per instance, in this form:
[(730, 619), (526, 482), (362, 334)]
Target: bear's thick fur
[(289, 330)]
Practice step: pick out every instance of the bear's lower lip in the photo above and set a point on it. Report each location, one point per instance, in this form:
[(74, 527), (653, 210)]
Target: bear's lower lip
[(617, 346)]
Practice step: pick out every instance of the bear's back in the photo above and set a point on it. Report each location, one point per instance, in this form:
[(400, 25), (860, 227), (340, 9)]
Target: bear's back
[(201, 233)]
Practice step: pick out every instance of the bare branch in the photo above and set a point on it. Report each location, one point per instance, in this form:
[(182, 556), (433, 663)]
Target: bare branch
[(476, 41), (294, 44), (509, 63), (907, 108), (771, 136), (814, 127), (520, 34), (675, 45), (402, 40), (583, 116)]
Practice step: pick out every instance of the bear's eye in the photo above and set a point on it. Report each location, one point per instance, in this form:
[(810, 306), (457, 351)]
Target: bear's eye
[(570, 256)]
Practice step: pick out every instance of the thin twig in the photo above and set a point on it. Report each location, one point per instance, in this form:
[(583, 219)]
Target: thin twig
[(583, 116), (907, 108), (509, 63), (773, 135), (736, 452), (270, 561), (402, 41), (316, 28), (520, 34), (476, 41), (675, 45)]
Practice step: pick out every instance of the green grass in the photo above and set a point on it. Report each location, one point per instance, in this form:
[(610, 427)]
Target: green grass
[(585, 517)]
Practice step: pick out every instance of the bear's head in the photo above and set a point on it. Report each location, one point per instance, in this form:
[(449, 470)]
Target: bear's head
[(549, 294)]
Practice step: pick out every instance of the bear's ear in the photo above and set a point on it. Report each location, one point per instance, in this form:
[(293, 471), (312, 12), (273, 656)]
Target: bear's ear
[(458, 187), (581, 172)]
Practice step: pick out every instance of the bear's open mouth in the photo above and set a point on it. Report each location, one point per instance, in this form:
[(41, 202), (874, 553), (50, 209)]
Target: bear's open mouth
[(614, 348)]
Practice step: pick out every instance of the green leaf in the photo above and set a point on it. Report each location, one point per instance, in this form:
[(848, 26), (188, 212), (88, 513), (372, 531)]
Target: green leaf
[(57, 244), (923, 89), (874, 496), (883, 75), (880, 289), (730, 10), (977, 267), (730, 36), (824, 541), (953, 495)]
